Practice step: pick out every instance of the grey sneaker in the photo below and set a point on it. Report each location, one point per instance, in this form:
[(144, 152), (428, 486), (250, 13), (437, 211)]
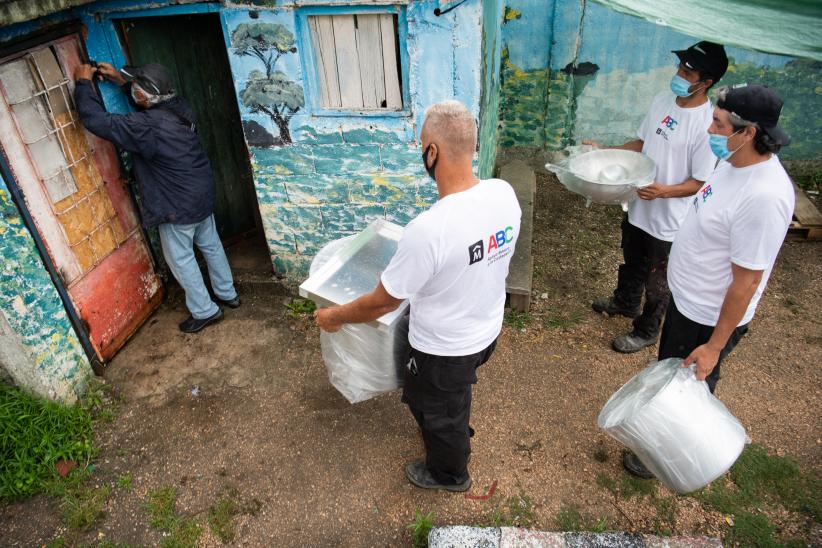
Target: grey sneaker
[(633, 465), (631, 342), (418, 474), (612, 308)]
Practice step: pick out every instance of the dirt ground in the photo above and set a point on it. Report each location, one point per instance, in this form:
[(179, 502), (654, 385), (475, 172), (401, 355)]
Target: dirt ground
[(314, 470)]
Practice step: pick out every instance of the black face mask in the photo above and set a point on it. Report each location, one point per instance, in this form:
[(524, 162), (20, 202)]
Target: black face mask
[(431, 170)]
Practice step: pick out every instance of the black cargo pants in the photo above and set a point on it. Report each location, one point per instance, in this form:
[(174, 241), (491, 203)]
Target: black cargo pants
[(437, 390), (680, 336), (644, 270)]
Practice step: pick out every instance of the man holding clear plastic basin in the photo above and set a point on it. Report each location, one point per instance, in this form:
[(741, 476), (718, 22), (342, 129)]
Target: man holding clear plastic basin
[(451, 263), (726, 248), (673, 135)]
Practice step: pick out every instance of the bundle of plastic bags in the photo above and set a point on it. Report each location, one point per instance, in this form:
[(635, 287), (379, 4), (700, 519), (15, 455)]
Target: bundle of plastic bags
[(362, 361), (680, 431)]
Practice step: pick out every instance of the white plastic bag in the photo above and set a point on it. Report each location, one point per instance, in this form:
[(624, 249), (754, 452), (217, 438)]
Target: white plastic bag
[(362, 361), (678, 429)]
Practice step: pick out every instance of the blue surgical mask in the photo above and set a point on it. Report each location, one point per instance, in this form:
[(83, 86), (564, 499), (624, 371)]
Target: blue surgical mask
[(680, 86), (719, 145)]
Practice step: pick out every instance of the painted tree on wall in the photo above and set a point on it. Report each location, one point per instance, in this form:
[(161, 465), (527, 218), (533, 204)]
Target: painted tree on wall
[(271, 91)]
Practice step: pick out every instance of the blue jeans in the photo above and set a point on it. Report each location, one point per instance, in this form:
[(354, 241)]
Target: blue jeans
[(178, 248)]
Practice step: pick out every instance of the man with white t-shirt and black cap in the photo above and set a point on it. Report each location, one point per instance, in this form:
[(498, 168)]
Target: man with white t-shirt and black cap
[(451, 263), (673, 135), (726, 248)]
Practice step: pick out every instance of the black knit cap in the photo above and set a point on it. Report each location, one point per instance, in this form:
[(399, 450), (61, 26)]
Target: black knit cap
[(153, 77)]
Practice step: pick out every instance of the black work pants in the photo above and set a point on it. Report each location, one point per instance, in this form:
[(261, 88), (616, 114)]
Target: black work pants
[(680, 336), (644, 270), (437, 390)]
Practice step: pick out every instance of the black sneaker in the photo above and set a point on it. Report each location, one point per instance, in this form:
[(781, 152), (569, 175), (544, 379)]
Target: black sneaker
[(633, 465), (418, 474), (231, 303), (631, 342), (193, 325), (612, 308)]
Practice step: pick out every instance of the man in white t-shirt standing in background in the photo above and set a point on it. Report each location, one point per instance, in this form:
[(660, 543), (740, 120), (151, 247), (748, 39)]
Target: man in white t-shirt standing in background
[(724, 253), (673, 134), (451, 263)]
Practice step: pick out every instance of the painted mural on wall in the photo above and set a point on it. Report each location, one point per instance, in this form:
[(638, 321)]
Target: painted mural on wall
[(588, 72), (40, 350), (341, 171), (271, 91)]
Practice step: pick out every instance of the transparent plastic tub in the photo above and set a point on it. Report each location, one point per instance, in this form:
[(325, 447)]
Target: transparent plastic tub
[(678, 429), (363, 360)]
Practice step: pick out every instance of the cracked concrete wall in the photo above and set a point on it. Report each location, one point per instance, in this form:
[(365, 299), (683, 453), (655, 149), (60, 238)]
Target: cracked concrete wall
[(575, 69), (39, 350)]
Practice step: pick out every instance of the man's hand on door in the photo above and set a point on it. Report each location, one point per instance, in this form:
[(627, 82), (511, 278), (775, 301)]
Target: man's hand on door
[(83, 72), (108, 71)]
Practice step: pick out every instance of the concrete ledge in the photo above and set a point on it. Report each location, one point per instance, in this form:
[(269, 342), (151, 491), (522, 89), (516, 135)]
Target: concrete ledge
[(460, 536)]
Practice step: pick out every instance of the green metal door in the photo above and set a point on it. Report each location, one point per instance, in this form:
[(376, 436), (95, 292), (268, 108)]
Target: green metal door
[(192, 47)]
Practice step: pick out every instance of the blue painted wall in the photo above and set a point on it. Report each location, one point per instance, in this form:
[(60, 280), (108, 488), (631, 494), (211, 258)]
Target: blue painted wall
[(543, 106), (40, 350)]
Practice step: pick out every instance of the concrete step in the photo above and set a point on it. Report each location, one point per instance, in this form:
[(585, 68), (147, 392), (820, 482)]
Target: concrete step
[(460, 536), (520, 274)]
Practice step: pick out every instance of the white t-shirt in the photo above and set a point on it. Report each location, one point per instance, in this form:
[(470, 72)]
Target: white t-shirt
[(451, 263), (676, 139), (739, 216)]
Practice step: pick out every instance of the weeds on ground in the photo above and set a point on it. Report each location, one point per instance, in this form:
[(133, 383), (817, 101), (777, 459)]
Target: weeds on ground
[(126, 481), (34, 435), (301, 307), (423, 523), (570, 518), (518, 511), (627, 487), (759, 479), (562, 320), (518, 320), (182, 533), (221, 518)]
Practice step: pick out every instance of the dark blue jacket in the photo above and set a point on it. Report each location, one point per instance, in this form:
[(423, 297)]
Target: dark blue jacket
[(172, 169)]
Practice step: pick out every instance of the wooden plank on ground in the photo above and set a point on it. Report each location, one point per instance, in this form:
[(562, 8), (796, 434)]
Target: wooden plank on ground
[(369, 49), (348, 63), (393, 98), (322, 37), (520, 274), (804, 210)]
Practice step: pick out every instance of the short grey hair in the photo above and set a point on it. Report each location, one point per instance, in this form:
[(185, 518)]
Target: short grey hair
[(152, 98), (454, 124)]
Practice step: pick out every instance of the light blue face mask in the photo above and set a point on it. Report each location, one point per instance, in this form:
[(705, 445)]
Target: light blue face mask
[(680, 86), (719, 145)]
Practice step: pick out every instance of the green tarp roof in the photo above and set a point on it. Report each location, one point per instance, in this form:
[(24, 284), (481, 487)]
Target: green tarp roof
[(787, 27)]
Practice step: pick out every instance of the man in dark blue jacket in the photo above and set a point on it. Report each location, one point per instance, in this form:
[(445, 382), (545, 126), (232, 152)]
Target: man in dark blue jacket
[(175, 178)]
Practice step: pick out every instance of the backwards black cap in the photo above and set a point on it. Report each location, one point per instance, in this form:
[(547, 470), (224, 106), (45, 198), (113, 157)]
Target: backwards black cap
[(756, 103), (153, 77), (707, 58)]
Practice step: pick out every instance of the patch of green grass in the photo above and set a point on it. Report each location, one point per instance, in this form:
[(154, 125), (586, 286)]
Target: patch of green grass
[(563, 320), (627, 486), (423, 523), (34, 435), (83, 507), (221, 519), (182, 533), (752, 530), (126, 481), (569, 518), (517, 511), (301, 307), (665, 519), (518, 320), (59, 542)]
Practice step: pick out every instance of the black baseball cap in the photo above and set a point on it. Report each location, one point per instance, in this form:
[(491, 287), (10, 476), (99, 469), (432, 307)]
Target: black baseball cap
[(153, 77), (756, 103), (707, 58)]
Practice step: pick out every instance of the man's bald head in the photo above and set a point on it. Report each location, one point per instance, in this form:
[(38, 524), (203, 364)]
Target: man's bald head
[(452, 127)]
